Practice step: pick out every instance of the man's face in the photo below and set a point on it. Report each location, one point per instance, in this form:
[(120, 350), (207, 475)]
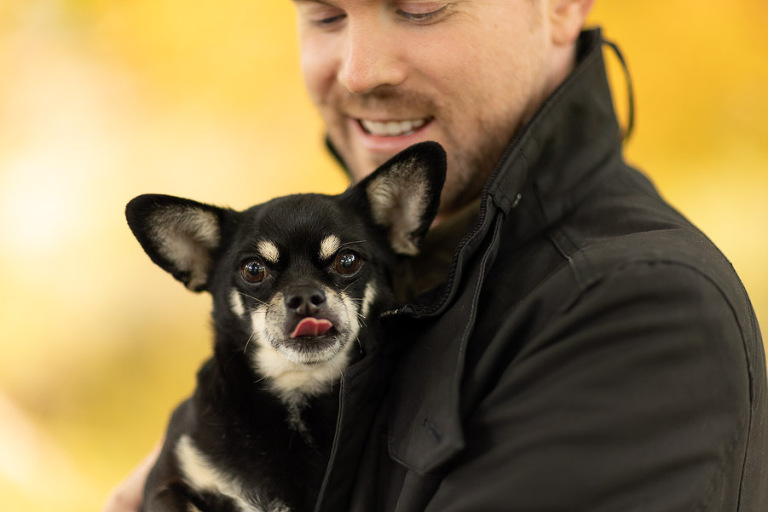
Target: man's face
[(385, 74)]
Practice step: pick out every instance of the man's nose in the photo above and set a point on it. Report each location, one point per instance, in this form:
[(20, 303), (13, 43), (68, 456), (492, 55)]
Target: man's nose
[(371, 60)]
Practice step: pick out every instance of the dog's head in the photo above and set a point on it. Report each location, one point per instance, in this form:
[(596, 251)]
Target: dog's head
[(294, 279)]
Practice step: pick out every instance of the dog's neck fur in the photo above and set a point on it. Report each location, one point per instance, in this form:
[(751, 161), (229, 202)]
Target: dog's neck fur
[(293, 391)]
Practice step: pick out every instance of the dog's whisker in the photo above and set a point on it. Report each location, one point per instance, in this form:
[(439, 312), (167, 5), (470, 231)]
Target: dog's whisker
[(254, 298), (354, 242), (245, 348)]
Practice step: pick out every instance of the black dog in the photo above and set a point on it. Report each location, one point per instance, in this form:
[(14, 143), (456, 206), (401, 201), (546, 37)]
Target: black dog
[(297, 284)]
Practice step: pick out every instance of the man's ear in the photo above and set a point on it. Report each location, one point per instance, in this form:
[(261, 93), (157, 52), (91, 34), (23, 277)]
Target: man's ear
[(567, 18), (178, 234), (404, 194)]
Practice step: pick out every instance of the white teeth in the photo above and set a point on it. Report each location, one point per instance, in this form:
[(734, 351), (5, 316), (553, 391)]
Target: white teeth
[(392, 128)]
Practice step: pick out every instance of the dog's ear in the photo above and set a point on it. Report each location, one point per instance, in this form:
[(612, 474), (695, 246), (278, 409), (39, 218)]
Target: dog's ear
[(179, 235), (404, 194)]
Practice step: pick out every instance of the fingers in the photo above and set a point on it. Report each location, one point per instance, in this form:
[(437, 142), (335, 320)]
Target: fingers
[(127, 496)]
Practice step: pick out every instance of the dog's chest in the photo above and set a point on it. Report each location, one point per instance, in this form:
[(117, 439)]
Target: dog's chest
[(254, 452), (219, 485)]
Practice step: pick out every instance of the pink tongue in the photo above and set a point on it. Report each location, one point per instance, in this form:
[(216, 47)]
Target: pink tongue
[(311, 327)]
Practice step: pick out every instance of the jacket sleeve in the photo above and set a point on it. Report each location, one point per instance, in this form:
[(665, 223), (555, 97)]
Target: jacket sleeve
[(635, 397)]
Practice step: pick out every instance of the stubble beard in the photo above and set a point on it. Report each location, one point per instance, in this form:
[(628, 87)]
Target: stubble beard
[(470, 167), (470, 162)]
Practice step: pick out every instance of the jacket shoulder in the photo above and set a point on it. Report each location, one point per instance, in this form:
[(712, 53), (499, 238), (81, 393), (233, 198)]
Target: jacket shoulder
[(642, 338)]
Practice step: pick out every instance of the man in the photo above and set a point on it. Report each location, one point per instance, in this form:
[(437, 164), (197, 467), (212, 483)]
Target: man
[(569, 341)]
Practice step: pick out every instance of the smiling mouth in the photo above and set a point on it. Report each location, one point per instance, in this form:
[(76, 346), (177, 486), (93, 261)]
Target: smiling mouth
[(392, 128)]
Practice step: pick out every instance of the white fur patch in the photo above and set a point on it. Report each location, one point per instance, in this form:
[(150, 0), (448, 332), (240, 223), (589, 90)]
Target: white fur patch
[(236, 302), (292, 380), (202, 475), (328, 247), (269, 251), (368, 298)]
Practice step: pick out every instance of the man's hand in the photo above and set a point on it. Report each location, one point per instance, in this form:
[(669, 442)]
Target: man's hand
[(128, 495)]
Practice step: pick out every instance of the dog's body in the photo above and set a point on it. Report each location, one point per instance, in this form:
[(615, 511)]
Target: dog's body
[(297, 285)]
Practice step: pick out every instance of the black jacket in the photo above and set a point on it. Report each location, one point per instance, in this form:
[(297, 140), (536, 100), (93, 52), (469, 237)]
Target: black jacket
[(590, 349)]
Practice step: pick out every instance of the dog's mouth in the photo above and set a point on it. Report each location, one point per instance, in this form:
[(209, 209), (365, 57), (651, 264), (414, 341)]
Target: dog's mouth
[(312, 340), (311, 327)]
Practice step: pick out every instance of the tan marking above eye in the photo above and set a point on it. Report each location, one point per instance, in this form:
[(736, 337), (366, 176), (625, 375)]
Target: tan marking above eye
[(328, 247), (269, 251)]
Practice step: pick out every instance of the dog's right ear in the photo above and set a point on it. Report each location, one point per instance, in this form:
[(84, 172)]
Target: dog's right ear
[(179, 235), (404, 194)]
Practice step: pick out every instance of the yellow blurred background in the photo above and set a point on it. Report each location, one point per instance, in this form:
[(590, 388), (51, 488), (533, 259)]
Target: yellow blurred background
[(101, 100)]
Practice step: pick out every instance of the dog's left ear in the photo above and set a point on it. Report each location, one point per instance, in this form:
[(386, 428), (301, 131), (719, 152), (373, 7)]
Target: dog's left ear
[(404, 194), (179, 235)]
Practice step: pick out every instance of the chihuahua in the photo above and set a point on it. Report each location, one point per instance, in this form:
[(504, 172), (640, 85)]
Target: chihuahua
[(298, 285)]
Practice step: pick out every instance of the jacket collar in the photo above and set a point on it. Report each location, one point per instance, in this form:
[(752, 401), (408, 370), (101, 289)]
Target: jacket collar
[(573, 131), (548, 169)]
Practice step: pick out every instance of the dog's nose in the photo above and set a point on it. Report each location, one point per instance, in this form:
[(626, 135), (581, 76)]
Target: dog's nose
[(304, 300)]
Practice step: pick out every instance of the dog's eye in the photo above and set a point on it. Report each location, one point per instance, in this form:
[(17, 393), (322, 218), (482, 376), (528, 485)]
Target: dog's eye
[(253, 271), (347, 263)]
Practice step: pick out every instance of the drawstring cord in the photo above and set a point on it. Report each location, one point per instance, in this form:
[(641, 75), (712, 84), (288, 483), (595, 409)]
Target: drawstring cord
[(626, 133)]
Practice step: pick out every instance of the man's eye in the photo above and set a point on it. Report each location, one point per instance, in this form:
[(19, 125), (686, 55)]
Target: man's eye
[(329, 21), (423, 13), (326, 17)]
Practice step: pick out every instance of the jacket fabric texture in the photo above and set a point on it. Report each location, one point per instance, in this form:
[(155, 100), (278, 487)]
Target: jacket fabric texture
[(589, 350)]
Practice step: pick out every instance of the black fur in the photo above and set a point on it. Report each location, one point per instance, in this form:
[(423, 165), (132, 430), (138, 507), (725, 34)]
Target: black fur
[(275, 443)]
